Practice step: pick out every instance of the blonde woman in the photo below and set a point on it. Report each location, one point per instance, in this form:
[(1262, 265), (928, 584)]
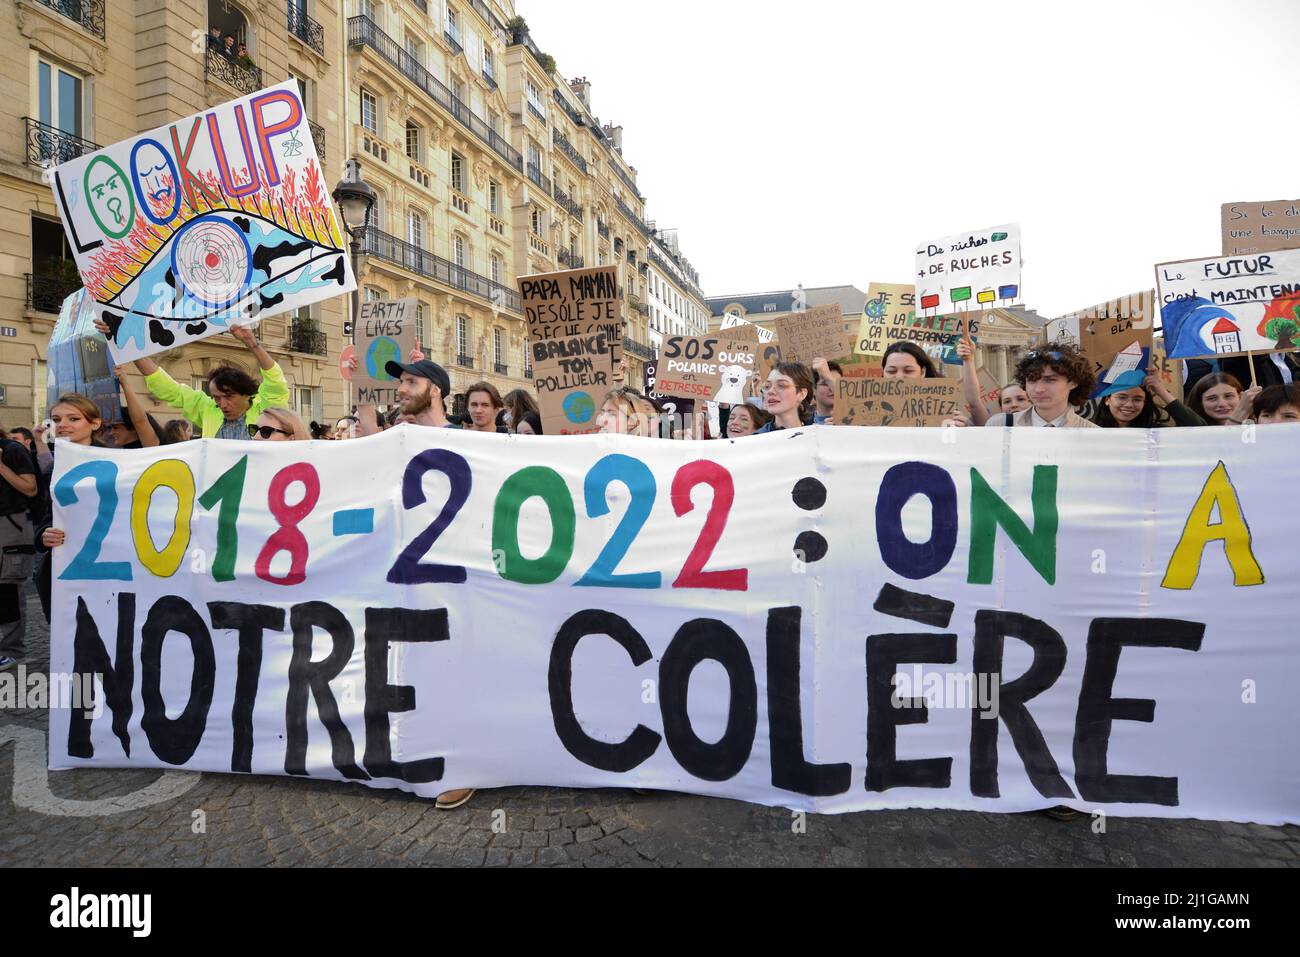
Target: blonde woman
[(279, 425)]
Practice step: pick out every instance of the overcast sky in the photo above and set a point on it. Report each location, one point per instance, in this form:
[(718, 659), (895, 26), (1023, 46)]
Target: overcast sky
[(818, 142)]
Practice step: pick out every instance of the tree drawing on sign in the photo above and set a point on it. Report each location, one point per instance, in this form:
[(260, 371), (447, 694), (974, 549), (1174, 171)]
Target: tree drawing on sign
[(1282, 321)]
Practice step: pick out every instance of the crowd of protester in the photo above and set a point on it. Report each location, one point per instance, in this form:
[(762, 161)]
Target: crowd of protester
[(1053, 387)]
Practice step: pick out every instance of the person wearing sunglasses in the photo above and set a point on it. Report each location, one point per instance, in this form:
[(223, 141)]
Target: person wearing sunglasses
[(278, 425), (1056, 379)]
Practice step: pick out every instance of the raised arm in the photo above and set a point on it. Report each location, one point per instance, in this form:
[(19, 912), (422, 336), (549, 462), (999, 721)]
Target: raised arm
[(970, 383), (139, 418)]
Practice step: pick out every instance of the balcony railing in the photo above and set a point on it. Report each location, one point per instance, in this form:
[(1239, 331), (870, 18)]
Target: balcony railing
[(569, 150), (424, 263), (49, 145), (246, 80), (577, 117), (454, 42), (536, 112), (638, 350), (627, 180), (46, 293), (636, 220), (318, 137), (528, 373), (541, 179), (569, 259), (363, 32), (88, 13), (501, 368), (674, 272), (491, 80), (602, 229), (466, 361), (308, 339), (532, 48), (567, 202), (304, 27)]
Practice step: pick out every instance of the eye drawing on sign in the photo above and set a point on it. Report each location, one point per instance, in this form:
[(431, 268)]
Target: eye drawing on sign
[(210, 222)]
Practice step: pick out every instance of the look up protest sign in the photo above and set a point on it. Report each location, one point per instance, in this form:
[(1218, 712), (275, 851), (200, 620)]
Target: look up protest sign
[(912, 403), (816, 333), (385, 333), (1260, 227), (1230, 305), (213, 221), (969, 271), (857, 619), (575, 333)]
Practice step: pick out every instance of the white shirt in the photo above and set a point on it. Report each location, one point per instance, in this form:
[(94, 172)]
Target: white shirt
[(1041, 423), (1279, 360)]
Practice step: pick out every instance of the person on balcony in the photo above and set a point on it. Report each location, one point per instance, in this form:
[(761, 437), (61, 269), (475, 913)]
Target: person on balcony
[(228, 47), (236, 399), (243, 59), (214, 39)]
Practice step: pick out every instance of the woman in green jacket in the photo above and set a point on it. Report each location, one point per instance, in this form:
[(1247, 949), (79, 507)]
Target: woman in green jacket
[(236, 400)]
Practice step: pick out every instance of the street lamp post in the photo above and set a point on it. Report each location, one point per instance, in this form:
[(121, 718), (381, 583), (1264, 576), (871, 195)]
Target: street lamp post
[(355, 200)]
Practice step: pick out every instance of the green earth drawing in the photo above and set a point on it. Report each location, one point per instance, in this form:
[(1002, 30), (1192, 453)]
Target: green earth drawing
[(382, 351)]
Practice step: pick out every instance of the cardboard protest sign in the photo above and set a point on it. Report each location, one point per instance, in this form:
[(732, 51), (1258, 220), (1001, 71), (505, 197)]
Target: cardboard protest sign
[(575, 332), (78, 361), (575, 302), (520, 614), (1260, 227), (990, 390), (385, 333), (732, 321), (889, 306), (213, 221), (898, 402), (1230, 305), (1102, 331), (969, 271), (812, 334), (712, 368), (1169, 371)]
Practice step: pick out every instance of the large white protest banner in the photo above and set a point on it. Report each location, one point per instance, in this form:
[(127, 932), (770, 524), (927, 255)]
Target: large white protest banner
[(826, 619), (209, 222)]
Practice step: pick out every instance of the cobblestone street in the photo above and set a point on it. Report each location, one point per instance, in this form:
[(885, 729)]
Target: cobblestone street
[(258, 821)]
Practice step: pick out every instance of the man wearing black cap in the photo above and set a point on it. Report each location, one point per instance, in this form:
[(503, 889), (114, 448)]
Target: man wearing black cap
[(422, 389)]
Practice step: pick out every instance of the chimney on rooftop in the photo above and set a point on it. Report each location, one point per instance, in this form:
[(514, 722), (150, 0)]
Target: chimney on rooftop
[(615, 134), (582, 90)]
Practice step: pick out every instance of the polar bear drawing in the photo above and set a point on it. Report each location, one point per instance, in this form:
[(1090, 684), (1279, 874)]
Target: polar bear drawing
[(733, 385)]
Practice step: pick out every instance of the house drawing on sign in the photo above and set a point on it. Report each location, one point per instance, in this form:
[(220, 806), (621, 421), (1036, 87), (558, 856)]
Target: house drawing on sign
[(1227, 336)]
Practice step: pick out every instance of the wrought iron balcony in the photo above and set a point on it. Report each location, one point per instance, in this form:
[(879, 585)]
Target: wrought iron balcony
[(246, 80), (602, 229), (424, 263), (453, 42), (636, 220), (569, 150), (304, 27), (490, 79), (466, 361), (569, 259), (46, 293), (541, 179), (627, 180), (536, 112), (362, 32), (567, 202), (318, 137), (501, 368), (48, 145), (638, 350), (305, 337), (576, 116), (88, 13)]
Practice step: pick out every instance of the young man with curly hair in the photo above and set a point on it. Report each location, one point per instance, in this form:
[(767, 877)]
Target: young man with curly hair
[(1056, 379)]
